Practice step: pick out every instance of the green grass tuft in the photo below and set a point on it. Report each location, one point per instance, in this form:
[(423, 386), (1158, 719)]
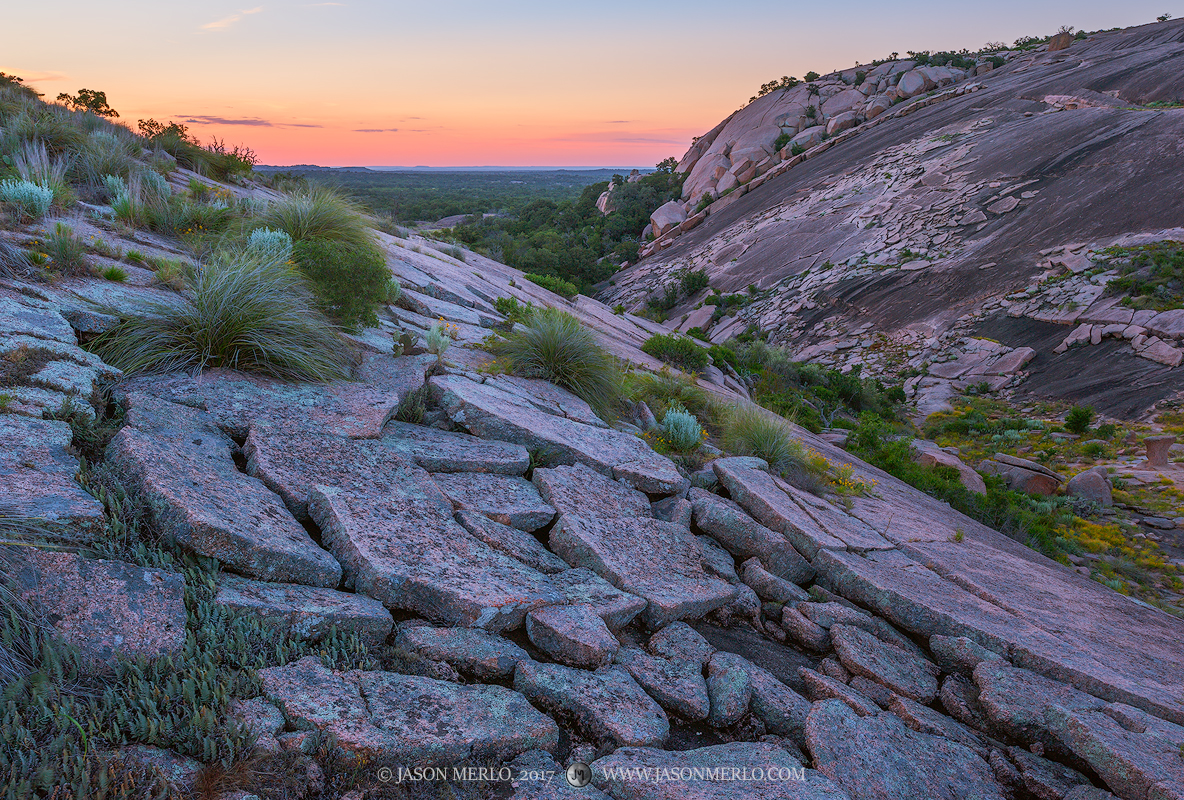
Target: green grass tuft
[(556, 347), (751, 431), (320, 213), (244, 313)]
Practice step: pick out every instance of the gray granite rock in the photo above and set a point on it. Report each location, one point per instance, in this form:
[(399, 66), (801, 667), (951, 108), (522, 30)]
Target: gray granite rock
[(574, 635), (877, 756), (536, 776), (658, 561), (446, 451), (581, 491), (37, 481), (680, 642), (306, 612), (769, 586), (901, 671), (823, 687), (408, 718), (734, 771), (583, 586), (1044, 779), (960, 698), (803, 631), (482, 655), (506, 499), (959, 654), (513, 542), (782, 710), (678, 686), (608, 705), (716, 560), (729, 687), (104, 608), (829, 614), (926, 720), (1017, 702), (181, 465), (746, 538)]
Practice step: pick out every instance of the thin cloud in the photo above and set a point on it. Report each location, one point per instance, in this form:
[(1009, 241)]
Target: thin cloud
[(32, 76), (226, 22), (253, 122), (618, 122), (320, 5), (376, 130)]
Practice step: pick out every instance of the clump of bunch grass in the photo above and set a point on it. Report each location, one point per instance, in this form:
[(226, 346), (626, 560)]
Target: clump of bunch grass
[(240, 312), (752, 431), (320, 213), (553, 345), (67, 251), (33, 164), (105, 152), (114, 273), (15, 261), (678, 351), (27, 201), (664, 390)]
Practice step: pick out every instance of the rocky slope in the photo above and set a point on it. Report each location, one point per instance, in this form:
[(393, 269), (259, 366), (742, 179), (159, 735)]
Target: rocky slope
[(555, 589), (945, 206)]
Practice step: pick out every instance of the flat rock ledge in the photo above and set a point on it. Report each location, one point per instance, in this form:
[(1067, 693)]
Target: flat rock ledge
[(408, 719), (306, 612)]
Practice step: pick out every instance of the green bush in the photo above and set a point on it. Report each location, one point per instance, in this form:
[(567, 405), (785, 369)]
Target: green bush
[(28, 201), (114, 273), (554, 346), (512, 310), (245, 313), (677, 351), (812, 76), (780, 142), (692, 282), (351, 282), (1078, 419), (320, 213), (553, 284)]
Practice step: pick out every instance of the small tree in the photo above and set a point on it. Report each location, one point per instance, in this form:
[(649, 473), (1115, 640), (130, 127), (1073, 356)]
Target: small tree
[(1163, 17), (667, 165), (1079, 418), (88, 100), (812, 76)]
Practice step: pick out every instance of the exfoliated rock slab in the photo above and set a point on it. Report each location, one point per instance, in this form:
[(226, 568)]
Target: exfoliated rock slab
[(1046, 780), (678, 641), (1017, 702), (583, 586), (959, 654), (572, 635), (394, 533), (37, 473), (782, 710), (483, 655), (809, 523), (306, 612), (829, 614), (104, 608), (768, 586), (512, 541), (291, 461), (581, 491), (180, 463), (716, 560), (677, 686), (744, 537), (17, 318), (877, 756), (733, 771), (492, 413), (729, 688), (1133, 765), (357, 409), (823, 687), (658, 561), (902, 672), (506, 499), (447, 451), (607, 704), (548, 397), (960, 698), (406, 717), (925, 720)]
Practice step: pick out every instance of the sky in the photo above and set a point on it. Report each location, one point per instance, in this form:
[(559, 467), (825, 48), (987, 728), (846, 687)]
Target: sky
[(464, 82)]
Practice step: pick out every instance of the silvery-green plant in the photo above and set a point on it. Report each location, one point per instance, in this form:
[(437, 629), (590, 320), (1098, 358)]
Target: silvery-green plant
[(274, 244), (681, 429), (438, 340), (33, 164), (28, 201), (116, 186)]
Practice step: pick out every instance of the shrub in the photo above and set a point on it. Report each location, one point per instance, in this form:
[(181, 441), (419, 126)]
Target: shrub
[(796, 149), (1106, 430), (1079, 418), (554, 284), (681, 429), (780, 142), (266, 242), (28, 201), (554, 346), (350, 281), (67, 251), (242, 312), (678, 351), (693, 282), (812, 76), (698, 333), (438, 340), (320, 213), (752, 431), (512, 310)]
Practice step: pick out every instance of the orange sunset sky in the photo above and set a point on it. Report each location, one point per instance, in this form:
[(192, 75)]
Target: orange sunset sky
[(453, 82)]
